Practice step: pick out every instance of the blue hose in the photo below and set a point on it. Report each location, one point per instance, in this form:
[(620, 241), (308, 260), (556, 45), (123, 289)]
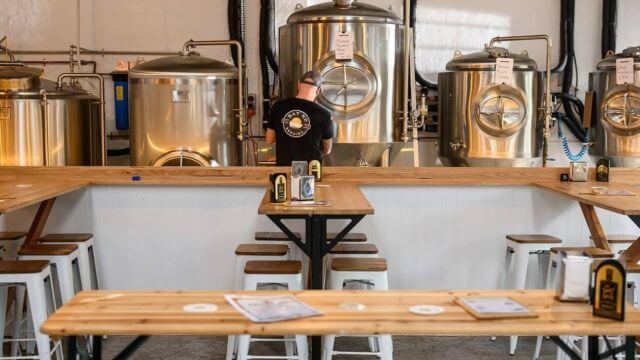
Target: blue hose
[(565, 145)]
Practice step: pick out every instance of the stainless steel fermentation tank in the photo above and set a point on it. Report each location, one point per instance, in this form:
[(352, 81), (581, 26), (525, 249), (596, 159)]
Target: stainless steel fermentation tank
[(616, 129), (484, 123), (44, 123), (364, 94), (185, 111)]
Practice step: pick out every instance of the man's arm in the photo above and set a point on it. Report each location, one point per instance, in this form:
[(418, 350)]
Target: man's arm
[(326, 146), (271, 136)]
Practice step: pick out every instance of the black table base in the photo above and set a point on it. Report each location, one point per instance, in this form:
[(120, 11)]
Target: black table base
[(629, 348)]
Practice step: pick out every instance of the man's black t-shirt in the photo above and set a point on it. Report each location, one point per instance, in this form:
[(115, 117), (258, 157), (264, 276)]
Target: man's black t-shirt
[(300, 127)]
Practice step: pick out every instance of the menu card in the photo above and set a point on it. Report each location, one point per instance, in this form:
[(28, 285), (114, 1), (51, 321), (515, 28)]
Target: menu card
[(494, 307), (271, 308)]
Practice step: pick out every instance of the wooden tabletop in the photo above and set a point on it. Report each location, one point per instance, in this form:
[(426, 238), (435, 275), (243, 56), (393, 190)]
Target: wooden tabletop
[(625, 205), (15, 195), (342, 199), (161, 313)]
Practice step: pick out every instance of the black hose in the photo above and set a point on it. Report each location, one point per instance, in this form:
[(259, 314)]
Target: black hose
[(264, 62), (268, 19), (234, 21), (412, 23), (609, 19), (564, 27)]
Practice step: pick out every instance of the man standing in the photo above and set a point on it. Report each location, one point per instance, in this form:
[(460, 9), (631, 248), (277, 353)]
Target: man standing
[(301, 129)]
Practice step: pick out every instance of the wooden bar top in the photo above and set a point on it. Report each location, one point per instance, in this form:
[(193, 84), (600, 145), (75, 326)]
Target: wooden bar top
[(342, 199), (625, 205), (161, 313), (28, 191)]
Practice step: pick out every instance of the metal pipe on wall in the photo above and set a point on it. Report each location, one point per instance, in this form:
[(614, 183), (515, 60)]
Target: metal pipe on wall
[(103, 135), (547, 106), (406, 81), (45, 127), (241, 85), (101, 52)]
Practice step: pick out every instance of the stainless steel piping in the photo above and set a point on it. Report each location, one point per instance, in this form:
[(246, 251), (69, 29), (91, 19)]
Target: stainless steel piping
[(44, 103), (241, 90), (406, 83), (103, 135), (547, 106), (101, 52)]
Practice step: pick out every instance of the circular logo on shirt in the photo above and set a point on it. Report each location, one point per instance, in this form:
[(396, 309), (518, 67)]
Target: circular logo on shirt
[(296, 123)]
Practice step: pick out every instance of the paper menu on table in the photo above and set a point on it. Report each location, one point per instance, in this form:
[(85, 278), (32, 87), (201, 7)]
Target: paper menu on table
[(625, 72), (271, 308), (494, 307)]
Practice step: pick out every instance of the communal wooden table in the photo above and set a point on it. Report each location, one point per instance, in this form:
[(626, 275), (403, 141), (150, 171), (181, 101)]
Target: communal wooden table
[(149, 313), (345, 201), (625, 205), (17, 194)]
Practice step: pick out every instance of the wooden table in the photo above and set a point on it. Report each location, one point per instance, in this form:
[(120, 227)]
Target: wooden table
[(98, 313), (16, 194), (625, 205), (345, 201)]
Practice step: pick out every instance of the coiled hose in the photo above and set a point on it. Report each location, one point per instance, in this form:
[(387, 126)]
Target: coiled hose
[(565, 142)]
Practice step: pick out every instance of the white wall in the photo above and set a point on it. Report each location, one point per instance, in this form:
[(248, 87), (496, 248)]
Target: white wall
[(443, 27), (433, 237)]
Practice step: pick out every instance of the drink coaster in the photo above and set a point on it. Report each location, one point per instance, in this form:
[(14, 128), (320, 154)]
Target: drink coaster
[(426, 309), (200, 308)]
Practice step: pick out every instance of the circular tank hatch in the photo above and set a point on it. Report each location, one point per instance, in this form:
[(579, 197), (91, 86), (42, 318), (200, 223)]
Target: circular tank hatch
[(622, 111), (348, 87), (182, 158), (501, 110)]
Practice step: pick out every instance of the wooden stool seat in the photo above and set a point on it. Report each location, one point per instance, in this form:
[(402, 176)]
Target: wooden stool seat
[(354, 249), (350, 237), (285, 267), (358, 264), (621, 238), (47, 249), (51, 238), (594, 252), (262, 250), (12, 235), (534, 239), (274, 236), (23, 267)]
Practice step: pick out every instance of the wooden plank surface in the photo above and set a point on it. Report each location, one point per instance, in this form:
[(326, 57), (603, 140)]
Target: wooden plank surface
[(251, 176), (625, 205), (343, 199), (161, 313), (28, 191)]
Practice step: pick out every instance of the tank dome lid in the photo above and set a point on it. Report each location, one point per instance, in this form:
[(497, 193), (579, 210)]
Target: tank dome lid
[(18, 77), (486, 60), (191, 64), (343, 11), (609, 62)]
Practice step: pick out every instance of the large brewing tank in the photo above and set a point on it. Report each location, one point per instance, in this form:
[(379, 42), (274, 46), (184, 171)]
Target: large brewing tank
[(31, 107), (183, 112), (616, 128), (482, 123), (364, 94)]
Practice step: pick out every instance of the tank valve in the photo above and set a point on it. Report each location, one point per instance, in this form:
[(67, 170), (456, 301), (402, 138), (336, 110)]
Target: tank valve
[(457, 145)]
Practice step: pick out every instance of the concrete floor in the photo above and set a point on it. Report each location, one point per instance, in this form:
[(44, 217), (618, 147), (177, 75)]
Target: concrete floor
[(405, 348)]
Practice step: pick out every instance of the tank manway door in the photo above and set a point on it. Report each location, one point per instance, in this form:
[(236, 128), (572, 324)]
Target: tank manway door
[(348, 87), (501, 111), (622, 111)]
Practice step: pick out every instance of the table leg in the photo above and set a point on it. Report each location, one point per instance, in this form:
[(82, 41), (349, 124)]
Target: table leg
[(96, 352), (39, 221), (593, 352), (315, 237), (595, 228), (131, 348), (72, 347), (630, 347)]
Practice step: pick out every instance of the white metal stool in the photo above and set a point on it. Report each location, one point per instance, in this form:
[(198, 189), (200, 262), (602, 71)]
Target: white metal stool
[(86, 256), (34, 276), (268, 272), (253, 252), (350, 250), (370, 270), (519, 249), (62, 259), (552, 283), (10, 242)]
